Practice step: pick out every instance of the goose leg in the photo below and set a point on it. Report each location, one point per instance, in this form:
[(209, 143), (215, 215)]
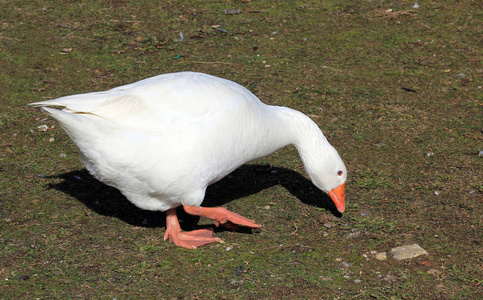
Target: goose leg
[(221, 216), (190, 239)]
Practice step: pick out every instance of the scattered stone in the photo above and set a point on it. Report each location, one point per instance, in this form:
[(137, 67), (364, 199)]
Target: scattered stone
[(229, 11), (353, 234), (66, 50), (236, 282), (324, 278), (229, 248), (43, 128), (51, 140), (408, 251), (345, 264), (357, 281), (381, 256), (390, 278), (329, 225)]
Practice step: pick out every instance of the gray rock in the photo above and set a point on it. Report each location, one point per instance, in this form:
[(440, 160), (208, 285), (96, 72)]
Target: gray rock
[(408, 251)]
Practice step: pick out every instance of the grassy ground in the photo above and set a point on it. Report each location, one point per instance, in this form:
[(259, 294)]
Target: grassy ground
[(398, 93)]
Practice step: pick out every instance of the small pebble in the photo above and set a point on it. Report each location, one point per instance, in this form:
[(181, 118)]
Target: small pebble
[(357, 281), (63, 155), (42, 128), (236, 282), (353, 234), (329, 225), (381, 256), (234, 11)]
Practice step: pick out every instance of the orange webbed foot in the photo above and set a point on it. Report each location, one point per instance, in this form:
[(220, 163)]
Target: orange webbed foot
[(191, 239), (221, 216)]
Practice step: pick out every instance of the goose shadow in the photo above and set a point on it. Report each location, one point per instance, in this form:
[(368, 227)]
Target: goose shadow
[(244, 181)]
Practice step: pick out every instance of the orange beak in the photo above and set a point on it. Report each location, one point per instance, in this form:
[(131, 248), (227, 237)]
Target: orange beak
[(338, 196)]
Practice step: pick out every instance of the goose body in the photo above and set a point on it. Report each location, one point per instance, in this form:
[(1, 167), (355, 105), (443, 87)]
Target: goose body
[(161, 141)]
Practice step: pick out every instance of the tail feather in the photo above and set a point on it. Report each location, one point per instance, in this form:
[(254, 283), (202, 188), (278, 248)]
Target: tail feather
[(67, 120), (79, 103)]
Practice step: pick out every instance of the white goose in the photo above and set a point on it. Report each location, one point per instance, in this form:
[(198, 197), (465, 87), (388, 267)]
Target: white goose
[(161, 141)]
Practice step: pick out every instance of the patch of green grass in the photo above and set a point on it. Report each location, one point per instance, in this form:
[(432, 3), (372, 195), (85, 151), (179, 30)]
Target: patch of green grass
[(64, 235)]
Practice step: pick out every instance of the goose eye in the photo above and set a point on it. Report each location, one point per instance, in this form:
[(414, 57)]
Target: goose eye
[(340, 173)]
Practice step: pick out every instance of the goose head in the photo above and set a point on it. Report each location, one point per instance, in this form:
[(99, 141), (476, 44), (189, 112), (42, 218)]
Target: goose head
[(323, 164), (329, 174)]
